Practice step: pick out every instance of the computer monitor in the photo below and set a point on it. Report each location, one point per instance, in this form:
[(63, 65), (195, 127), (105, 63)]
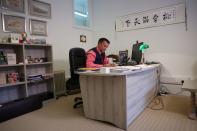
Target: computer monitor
[(136, 53)]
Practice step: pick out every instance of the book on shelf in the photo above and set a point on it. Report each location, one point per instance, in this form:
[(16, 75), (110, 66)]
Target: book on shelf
[(2, 78), (11, 58), (13, 77)]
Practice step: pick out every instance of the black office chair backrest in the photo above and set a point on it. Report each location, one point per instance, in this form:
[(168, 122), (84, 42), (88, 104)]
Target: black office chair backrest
[(77, 59)]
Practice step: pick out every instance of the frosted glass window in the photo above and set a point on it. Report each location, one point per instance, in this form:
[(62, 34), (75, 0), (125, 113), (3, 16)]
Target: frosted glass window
[(81, 13)]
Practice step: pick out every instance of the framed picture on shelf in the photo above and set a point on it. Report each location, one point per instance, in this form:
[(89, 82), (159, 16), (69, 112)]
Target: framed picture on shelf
[(38, 27), (11, 58), (14, 24), (38, 8), (123, 55), (14, 5)]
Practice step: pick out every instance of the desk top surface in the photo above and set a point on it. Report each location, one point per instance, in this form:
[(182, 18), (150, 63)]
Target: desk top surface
[(190, 85), (119, 70)]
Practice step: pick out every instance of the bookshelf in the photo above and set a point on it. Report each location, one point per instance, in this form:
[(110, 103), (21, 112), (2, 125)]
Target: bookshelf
[(28, 60)]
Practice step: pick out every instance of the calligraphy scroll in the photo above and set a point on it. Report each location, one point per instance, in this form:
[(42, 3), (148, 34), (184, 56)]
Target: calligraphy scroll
[(156, 17)]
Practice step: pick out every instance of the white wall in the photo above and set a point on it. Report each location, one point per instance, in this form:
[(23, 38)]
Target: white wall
[(171, 45), (61, 32), (63, 35)]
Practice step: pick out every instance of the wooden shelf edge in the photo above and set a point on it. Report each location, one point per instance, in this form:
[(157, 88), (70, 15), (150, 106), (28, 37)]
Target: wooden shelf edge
[(19, 44), (12, 84), (12, 44), (43, 63), (38, 45), (6, 65)]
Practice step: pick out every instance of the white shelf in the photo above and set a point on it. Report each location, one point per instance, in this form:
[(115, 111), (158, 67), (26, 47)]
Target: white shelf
[(44, 68), (39, 45), (12, 84), (11, 44), (19, 44), (14, 65), (43, 63)]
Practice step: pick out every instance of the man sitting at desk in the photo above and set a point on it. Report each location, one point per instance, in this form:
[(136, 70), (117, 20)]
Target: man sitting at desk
[(96, 56)]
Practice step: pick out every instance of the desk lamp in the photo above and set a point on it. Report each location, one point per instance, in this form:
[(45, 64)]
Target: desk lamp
[(142, 48)]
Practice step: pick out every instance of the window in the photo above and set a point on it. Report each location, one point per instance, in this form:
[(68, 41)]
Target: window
[(81, 13)]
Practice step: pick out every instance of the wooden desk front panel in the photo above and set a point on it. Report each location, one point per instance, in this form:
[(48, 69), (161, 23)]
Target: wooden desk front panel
[(104, 98), (117, 99)]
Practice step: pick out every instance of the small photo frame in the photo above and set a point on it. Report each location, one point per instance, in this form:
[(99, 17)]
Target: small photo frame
[(38, 27), (83, 38), (38, 8), (123, 55), (14, 38), (14, 24), (14, 5)]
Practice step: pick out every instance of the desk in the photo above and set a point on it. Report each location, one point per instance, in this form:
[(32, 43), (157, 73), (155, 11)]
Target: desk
[(118, 98), (191, 85)]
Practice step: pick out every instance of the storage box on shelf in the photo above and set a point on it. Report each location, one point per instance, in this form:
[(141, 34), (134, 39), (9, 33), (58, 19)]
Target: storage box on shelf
[(15, 71)]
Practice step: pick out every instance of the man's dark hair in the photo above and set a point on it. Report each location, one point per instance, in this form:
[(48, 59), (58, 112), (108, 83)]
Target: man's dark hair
[(103, 39)]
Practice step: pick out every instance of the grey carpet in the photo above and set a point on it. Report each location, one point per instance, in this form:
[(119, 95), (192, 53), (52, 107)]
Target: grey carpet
[(58, 115)]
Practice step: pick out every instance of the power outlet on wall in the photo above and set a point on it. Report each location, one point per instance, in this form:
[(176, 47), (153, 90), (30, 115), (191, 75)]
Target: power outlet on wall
[(171, 85)]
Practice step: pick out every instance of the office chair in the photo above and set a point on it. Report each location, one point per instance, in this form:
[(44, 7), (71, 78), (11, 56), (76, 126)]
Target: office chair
[(77, 59)]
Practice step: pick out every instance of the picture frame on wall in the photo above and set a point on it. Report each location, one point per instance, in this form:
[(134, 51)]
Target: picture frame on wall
[(38, 27), (14, 5), (11, 23), (40, 9), (83, 38)]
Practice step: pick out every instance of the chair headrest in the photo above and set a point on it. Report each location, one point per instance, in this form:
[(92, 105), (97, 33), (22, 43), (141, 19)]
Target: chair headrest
[(77, 51)]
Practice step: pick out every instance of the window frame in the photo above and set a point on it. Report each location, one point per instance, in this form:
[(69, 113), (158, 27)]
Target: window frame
[(89, 15)]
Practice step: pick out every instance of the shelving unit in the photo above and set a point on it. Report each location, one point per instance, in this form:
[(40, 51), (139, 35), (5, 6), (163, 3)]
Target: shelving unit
[(24, 88)]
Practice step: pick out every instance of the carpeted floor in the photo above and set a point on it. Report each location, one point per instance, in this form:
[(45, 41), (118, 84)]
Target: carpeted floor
[(58, 115)]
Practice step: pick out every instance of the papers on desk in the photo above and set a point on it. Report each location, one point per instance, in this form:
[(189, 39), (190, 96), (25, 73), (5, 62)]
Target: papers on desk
[(124, 68), (87, 69), (117, 69)]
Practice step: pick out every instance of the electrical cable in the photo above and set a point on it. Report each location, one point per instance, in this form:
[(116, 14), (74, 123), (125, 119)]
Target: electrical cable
[(166, 91), (157, 100)]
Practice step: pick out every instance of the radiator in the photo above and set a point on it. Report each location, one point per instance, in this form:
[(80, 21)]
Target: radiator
[(60, 88)]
